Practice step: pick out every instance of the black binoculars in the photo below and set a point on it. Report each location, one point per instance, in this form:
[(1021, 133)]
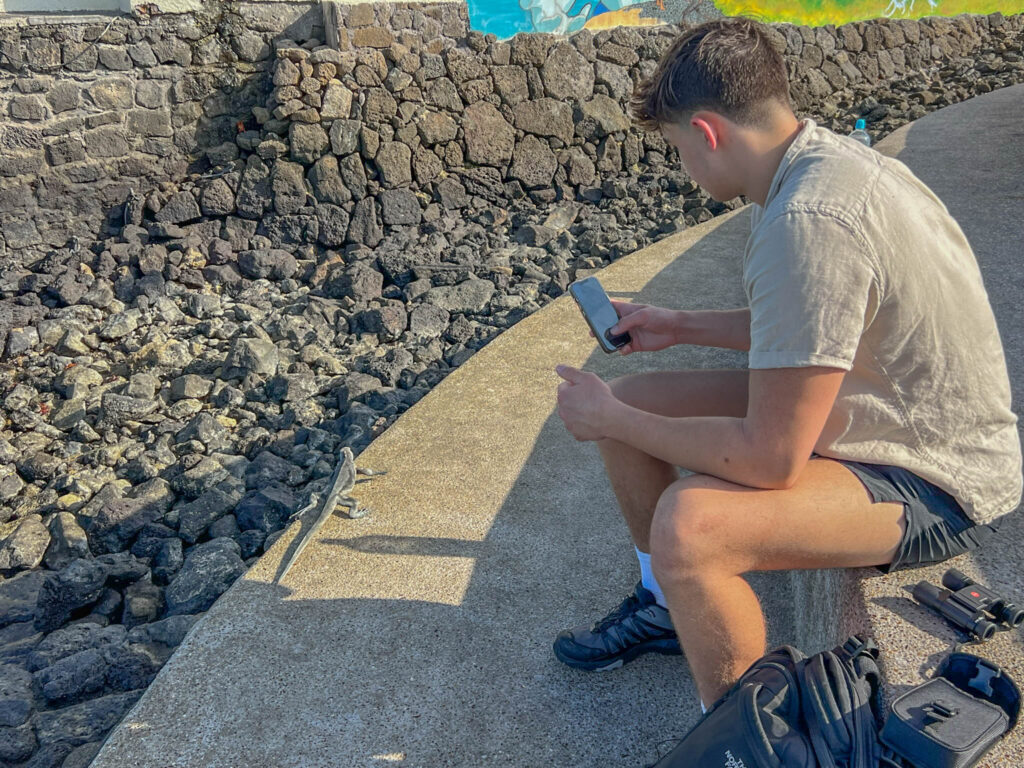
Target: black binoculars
[(968, 605)]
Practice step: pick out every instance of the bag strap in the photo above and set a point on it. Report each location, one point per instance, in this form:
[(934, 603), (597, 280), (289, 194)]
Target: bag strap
[(854, 677), (813, 679), (857, 645)]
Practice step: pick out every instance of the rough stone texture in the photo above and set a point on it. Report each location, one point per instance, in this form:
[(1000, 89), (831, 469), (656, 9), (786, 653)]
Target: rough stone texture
[(566, 74), (469, 296), (272, 263), (489, 137), (337, 102), (288, 187), (364, 227), (510, 84), (328, 185), (533, 163), (436, 128), (394, 163), (399, 206), (209, 569), (545, 117), (333, 225), (157, 98), (345, 137), (308, 142), (606, 114), (181, 207)]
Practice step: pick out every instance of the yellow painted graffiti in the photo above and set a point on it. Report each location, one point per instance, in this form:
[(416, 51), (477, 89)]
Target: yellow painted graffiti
[(506, 17)]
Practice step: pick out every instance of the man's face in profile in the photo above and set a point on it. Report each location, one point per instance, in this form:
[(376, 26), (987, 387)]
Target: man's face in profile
[(693, 139)]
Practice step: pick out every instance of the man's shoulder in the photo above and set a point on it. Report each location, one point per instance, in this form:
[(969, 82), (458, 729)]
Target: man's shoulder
[(827, 183), (831, 177), (804, 235), (807, 221)]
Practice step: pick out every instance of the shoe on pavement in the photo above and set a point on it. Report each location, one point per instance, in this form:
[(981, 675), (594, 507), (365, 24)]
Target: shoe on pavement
[(638, 625)]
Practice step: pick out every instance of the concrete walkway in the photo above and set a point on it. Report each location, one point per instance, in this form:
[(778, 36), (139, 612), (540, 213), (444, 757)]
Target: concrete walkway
[(420, 635)]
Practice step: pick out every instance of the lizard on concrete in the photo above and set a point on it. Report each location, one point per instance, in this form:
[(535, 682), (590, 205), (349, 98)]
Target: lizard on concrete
[(343, 481)]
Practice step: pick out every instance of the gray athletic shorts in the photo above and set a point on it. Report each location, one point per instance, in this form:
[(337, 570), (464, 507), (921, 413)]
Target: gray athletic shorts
[(937, 527)]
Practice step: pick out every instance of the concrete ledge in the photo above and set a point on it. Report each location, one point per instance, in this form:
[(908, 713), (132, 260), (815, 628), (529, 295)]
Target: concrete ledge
[(420, 635)]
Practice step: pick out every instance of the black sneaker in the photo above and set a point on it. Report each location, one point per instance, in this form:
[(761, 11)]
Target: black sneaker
[(639, 625)]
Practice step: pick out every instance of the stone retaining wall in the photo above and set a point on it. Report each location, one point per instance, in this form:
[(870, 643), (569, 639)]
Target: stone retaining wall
[(94, 107), (415, 114)]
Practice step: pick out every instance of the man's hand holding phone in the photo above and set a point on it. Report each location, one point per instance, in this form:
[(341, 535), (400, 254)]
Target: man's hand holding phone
[(650, 328)]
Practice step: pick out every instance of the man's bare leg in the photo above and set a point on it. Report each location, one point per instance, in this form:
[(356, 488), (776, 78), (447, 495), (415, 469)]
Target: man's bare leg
[(707, 532), (639, 479)]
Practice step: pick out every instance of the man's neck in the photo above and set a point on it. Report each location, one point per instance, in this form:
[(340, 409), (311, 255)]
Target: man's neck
[(765, 152)]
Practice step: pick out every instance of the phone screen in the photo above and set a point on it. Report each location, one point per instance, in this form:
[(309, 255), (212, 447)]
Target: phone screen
[(599, 312)]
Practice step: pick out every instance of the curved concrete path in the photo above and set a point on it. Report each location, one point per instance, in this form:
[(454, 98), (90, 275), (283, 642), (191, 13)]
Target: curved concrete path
[(420, 635)]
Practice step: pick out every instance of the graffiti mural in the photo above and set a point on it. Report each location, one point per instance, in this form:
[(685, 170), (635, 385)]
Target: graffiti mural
[(505, 18)]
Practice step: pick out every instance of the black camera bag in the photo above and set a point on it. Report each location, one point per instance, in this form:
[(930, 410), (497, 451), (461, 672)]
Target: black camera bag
[(954, 718), (793, 711)]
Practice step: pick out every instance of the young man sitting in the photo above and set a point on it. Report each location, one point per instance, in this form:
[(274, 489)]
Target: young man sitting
[(873, 427)]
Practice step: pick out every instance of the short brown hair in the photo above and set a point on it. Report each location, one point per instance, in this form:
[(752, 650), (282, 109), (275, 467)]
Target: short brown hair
[(726, 65)]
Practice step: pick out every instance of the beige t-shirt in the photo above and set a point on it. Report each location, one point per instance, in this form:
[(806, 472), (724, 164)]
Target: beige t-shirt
[(854, 263)]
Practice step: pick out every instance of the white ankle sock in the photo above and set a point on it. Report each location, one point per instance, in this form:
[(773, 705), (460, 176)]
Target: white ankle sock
[(647, 577), (703, 709)]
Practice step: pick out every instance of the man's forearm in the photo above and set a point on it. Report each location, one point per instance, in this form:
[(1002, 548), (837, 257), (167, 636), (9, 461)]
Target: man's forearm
[(726, 329), (712, 445)]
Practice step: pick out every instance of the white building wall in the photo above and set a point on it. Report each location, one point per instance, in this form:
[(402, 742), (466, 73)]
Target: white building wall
[(87, 6), (59, 6)]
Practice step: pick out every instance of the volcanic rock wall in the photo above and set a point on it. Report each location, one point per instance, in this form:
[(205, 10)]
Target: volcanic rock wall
[(414, 114), (95, 107)]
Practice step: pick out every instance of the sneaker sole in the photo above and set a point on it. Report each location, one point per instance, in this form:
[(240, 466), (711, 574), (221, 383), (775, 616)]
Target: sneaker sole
[(607, 665)]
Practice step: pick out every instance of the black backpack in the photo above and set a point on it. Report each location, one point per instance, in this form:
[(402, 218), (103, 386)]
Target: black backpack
[(793, 711)]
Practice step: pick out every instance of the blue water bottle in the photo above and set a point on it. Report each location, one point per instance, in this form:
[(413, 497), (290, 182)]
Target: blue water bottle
[(860, 134)]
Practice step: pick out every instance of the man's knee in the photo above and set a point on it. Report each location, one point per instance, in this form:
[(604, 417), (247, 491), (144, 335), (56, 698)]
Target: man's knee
[(624, 388), (688, 531)]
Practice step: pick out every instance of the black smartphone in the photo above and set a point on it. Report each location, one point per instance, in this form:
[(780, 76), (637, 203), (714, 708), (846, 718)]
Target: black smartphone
[(598, 312)]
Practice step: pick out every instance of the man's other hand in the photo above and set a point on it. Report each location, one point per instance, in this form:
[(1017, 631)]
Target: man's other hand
[(583, 401)]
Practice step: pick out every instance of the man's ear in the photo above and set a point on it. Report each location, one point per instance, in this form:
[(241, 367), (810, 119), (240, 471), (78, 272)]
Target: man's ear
[(708, 129)]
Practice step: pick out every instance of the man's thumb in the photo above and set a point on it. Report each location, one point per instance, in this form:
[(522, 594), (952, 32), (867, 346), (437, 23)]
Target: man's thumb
[(566, 372), (623, 325)]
